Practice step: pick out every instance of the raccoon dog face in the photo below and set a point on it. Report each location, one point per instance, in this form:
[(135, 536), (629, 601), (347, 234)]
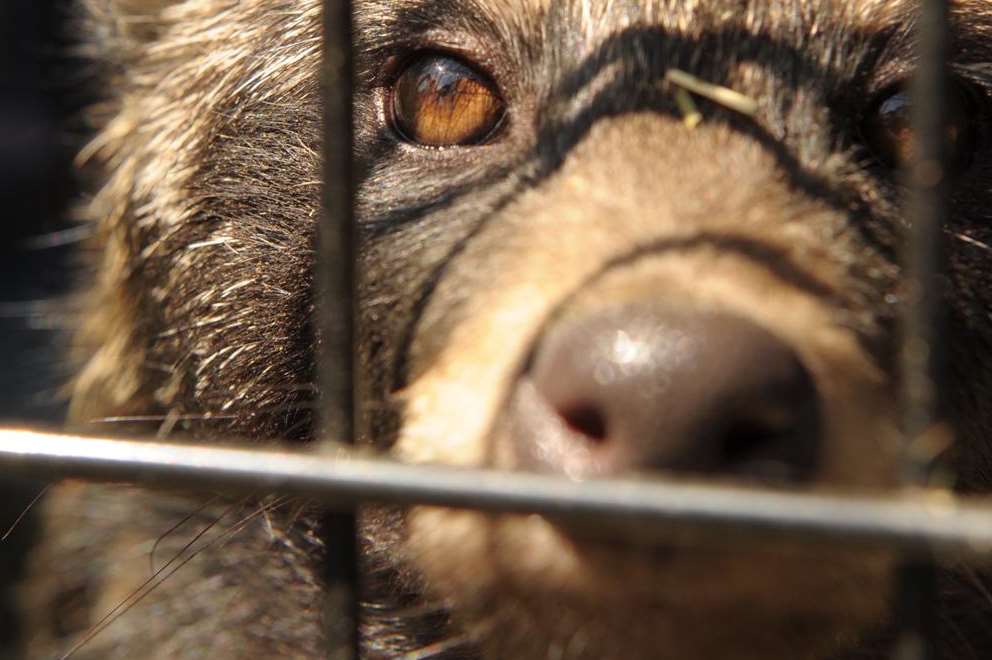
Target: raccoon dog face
[(570, 265)]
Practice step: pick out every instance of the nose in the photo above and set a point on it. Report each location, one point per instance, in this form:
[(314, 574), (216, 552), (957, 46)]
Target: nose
[(651, 387)]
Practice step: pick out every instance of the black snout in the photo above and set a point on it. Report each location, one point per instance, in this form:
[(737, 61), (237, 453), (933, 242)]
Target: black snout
[(636, 388)]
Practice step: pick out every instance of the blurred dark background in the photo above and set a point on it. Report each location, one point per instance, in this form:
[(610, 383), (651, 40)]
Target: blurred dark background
[(41, 127)]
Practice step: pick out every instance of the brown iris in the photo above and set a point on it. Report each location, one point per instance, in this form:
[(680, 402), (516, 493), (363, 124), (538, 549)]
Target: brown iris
[(438, 101), (890, 135)]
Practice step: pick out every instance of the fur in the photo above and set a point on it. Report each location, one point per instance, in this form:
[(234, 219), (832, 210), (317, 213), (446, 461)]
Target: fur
[(198, 318)]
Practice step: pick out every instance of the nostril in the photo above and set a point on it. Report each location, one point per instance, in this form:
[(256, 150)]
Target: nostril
[(653, 387), (743, 443), (773, 447), (586, 419)]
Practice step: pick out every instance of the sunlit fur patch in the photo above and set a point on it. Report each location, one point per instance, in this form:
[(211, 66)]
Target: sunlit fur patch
[(749, 251), (557, 581), (682, 600), (460, 392)]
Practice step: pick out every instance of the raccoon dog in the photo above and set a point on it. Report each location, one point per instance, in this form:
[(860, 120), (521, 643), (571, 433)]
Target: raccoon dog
[(566, 269)]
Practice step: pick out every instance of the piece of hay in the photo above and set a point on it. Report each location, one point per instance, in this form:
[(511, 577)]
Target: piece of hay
[(724, 96)]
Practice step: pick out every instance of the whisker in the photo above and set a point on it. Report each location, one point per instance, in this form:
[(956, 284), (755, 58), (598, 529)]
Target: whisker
[(63, 237), (149, 585), (971, 241), (130, 419), (136, 595), (437, 648), (164, 535), (17, 521), (975, 581)]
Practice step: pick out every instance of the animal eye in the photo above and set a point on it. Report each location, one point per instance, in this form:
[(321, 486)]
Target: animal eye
[(438, 101), (888, 130)]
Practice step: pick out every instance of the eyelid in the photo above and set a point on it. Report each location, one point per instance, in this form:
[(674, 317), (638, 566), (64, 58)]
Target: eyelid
[(463, 50)]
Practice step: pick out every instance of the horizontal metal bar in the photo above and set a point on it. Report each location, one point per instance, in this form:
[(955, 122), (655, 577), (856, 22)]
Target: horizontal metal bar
[(343, 478)]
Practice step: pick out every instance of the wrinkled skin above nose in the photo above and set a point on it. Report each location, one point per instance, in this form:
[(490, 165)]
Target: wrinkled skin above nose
[(649, 387)]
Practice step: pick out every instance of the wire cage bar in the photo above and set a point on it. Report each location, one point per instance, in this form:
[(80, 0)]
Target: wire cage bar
[(919, 522), (336, 277), (925, 435), (643, 510)]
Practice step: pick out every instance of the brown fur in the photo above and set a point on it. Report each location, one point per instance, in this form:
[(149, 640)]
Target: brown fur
[(200, 312)]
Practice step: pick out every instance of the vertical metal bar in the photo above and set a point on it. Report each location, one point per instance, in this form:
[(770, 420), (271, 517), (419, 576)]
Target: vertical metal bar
[(336, 308), (921, 350), (915, 609), (921, 359), (336, 263)]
